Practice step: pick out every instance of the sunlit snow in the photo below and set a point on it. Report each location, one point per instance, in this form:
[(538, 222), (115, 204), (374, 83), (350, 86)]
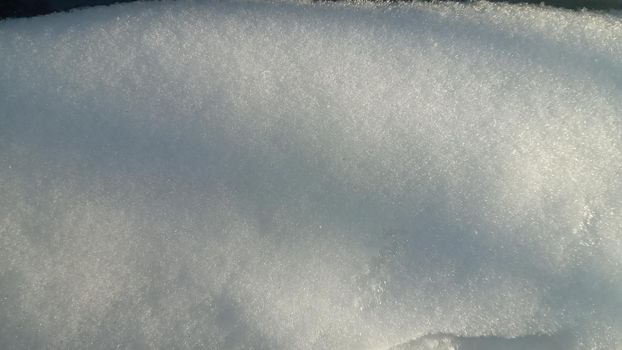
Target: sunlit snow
[(237, 175)]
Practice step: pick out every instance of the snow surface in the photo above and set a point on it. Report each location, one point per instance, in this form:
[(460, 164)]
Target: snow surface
[(237, 175)]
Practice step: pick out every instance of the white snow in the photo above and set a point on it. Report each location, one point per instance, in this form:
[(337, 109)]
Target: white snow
[(277, 175)]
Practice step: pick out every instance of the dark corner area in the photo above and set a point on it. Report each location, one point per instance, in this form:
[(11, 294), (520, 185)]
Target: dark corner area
[(575, 4), (29, 8)]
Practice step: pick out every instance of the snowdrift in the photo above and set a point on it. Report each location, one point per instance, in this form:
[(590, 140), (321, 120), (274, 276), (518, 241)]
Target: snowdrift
[(277, 175)]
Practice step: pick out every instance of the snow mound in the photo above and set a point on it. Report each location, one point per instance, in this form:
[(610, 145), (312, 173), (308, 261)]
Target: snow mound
[(277, 175)]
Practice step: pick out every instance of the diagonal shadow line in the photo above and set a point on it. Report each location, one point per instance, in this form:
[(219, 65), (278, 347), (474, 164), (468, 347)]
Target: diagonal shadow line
[(130, 157)]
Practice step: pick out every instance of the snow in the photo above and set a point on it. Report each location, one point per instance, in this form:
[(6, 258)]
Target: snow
[(279, 175)]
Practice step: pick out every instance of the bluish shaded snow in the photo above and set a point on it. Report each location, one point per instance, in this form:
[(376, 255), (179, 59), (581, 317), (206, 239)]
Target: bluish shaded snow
[(245, 175)]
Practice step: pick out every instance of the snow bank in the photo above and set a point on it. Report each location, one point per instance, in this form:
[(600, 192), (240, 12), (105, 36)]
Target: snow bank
[(310, 176)]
